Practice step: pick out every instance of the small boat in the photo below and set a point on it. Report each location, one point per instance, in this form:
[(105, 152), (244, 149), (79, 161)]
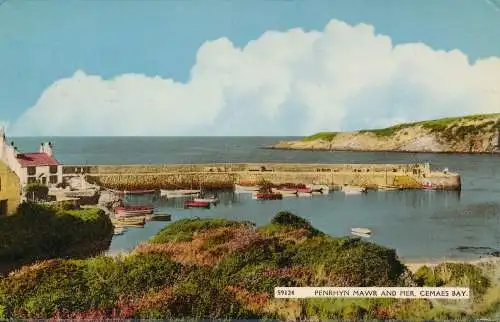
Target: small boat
[(305, 190), (350, 190), (119, 230), (429, 186), (159, 217), (362, 232), (178, 193), (196, 204), (127, 211), (138, 192), (286, 192), (245, 189), (387, 188), (135, 221), (319, 189), (305, 194), (268, 196), (210, 199)]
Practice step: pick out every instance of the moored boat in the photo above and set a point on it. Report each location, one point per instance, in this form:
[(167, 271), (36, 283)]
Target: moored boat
[(139, 192), (429, 186), (363, 232), (319, 189), (119, 230), (159, 217), (268, 196), (208, 198), (127, 211), (179, 193), (286, 192), (351, 190), (387, 188), (196, 204), (131, 221), (245, 189)]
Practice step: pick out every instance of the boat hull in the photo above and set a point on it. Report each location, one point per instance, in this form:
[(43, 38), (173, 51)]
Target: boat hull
[(196, 204)]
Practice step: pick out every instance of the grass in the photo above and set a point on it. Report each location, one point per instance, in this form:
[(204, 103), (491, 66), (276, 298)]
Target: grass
[(449, 127), (173, 276), (325, 136)]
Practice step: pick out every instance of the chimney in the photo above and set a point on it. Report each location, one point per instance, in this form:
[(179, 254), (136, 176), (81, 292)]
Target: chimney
[(48, 148), (42, 148)]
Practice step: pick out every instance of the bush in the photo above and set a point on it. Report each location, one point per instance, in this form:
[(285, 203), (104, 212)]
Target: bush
[(37, 232), (183, 230), (425, 276), (37, 191), (286, 218)]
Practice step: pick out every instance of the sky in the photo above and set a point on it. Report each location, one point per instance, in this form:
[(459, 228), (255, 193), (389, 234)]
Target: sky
[(243, 67)]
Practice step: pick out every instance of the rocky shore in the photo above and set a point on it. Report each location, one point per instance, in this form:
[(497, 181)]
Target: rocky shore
[(470, 134)]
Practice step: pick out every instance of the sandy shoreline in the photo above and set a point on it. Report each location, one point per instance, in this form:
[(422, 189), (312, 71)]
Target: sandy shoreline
[(414, 265)]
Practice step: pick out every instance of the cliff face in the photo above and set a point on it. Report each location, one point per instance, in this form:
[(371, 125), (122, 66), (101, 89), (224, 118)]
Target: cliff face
[(470, 134)]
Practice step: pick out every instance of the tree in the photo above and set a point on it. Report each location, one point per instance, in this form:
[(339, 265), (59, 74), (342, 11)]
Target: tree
[(37, 191)]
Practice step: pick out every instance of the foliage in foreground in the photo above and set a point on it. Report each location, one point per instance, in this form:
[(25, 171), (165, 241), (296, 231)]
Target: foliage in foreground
[(215, 268), (37, 232)]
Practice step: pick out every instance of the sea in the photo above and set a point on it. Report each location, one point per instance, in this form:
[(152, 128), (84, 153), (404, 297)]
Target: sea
[(419, 225)]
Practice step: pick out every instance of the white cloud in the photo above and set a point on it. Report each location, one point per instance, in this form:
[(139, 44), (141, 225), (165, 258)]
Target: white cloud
[(283, 83)]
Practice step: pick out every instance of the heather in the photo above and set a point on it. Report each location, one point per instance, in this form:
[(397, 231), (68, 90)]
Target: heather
[(216, 268)]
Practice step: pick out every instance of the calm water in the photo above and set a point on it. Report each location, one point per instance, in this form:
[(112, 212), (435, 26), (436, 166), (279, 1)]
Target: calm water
[(418, 224)]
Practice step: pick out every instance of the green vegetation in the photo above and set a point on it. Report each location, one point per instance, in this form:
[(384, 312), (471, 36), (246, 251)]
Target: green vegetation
[(325, 136), (37, 232), (216, 268), (450, 128), (37, 191)]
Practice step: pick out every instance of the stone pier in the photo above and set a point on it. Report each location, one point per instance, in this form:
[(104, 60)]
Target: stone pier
[(225, 175)]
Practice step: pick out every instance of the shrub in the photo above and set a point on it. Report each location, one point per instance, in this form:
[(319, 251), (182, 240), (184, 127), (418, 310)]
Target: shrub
[(286, 218), (425, 276), (38, 232), (37, 191), (183, 230)]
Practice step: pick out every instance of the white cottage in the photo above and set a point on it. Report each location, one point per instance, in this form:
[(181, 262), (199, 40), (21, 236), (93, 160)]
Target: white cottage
[(31, 166)]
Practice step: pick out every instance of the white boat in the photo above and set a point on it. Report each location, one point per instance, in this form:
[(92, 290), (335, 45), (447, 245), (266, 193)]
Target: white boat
[(209, 199), (387, 188), (286, 192), (351, 190), (119, 230), (245, 189), (178, 193), (364, 232), (305, 194), (319, 189)]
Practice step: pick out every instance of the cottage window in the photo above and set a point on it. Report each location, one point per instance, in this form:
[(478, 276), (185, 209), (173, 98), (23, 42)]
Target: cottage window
[(31, 179), (53, 179), (31, 171), (53, 169)]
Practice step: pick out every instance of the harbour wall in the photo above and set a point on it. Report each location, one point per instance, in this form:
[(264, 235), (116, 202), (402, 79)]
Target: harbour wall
[(225, 175)]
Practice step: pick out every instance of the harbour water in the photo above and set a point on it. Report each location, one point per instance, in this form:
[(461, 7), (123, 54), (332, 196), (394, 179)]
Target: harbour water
[(418, 224)]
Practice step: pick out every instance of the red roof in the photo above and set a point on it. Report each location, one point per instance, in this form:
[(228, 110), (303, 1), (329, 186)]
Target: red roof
[(35, 159)]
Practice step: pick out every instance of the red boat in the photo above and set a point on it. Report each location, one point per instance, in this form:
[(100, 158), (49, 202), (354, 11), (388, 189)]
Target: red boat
[(196, 204), (269, 196), (125, 211)]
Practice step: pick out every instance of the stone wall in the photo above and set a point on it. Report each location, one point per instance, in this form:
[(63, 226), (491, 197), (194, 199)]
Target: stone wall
[(171, 176), (10, 189)]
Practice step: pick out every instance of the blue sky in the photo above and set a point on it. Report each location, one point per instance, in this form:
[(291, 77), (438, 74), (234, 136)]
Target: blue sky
[(43, 42)]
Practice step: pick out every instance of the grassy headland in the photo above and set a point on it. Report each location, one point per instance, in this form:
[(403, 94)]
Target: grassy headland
[(473, 133), (37, 232), (215, 268)]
